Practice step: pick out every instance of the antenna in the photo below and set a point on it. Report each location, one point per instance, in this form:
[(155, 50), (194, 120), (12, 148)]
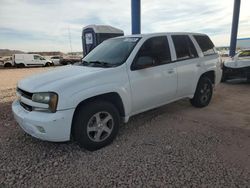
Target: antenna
[(70, 39)]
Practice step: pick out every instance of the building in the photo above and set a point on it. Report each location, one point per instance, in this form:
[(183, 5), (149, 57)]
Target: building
[(243, 43)]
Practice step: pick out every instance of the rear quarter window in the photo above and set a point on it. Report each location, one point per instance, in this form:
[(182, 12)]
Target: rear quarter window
[(205, 44)]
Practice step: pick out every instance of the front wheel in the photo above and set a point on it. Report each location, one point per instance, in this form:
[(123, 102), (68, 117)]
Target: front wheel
[(47, 64), (95, 125), (7, 65), (203, 93)]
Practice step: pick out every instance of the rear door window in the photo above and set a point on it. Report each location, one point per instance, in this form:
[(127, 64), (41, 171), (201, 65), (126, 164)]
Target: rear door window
[(205, 44), (184, 47)]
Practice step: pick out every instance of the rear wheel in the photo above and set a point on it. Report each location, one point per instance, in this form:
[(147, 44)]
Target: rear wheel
[(203, 93), (20, 65), (95, 125), (7, 65)]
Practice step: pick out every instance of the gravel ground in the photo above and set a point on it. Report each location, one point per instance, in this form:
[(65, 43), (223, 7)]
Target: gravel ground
[(174, 146)]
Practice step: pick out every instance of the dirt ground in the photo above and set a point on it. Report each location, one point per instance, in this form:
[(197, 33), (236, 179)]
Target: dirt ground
[(175, 145)]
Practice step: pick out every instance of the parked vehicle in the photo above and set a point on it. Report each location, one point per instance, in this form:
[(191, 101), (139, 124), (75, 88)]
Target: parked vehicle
[(237, 67), (121, 77), (30, 60), (56, 60), (6, 62), (93, 35), (70, 60)]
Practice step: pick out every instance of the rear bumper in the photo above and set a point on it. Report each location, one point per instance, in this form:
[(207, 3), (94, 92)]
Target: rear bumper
[(55, 127)]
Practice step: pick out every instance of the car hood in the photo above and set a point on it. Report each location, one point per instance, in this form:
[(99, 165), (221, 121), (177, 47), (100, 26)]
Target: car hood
[(50, 80), (236, 63)]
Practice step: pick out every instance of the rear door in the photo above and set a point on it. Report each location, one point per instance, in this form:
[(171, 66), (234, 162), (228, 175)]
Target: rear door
[(156, 84), (187, 64)]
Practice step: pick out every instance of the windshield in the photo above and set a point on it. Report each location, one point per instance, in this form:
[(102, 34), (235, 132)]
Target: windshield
[(112, 52)]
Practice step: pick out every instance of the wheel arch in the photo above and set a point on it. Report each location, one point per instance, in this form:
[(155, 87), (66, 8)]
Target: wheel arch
[(112, 97), (209, 74), (8, 64)]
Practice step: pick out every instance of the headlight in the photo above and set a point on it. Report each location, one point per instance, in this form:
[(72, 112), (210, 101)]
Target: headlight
[(46, 98)]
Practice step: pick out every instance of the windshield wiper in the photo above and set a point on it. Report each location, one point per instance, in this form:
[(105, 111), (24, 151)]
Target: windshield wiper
[(85, 63), (98, 63)]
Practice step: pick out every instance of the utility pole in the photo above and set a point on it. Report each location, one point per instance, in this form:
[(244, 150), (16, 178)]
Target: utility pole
[(234, 31), (70, 40), (136, 16)]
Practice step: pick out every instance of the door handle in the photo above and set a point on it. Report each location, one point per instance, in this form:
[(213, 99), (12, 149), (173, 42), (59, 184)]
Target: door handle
[(198, 65)]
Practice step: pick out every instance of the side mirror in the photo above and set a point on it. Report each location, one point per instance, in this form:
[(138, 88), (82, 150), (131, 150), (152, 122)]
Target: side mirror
[(143, 62)]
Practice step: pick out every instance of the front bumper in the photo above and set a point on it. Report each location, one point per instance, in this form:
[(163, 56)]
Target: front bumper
[(55, 127), (242, 72)]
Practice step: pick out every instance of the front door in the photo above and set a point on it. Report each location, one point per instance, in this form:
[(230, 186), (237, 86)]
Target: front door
[(155, 83), (37, 61)]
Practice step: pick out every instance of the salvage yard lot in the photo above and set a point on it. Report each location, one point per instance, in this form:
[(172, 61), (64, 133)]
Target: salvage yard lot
[(176, 145)]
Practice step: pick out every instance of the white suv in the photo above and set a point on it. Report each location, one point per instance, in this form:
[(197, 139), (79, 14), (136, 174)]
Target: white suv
[(121, 77)]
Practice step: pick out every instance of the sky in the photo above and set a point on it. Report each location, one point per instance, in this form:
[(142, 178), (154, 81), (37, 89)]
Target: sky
[(47, 25)]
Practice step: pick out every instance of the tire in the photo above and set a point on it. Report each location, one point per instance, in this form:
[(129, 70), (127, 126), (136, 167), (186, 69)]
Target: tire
[(47, 64), (7, 65), (20, 65), (68, 63), (203, 93), (52, 64), (92, 135)]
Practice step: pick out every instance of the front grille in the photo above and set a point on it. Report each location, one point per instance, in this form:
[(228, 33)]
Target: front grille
[(25, 94), (26, 107)]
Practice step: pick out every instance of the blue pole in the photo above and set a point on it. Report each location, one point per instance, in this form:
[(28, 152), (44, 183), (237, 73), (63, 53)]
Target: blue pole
[(136, 16), (234, 30)]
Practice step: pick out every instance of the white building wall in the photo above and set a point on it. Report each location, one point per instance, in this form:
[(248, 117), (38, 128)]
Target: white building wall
[(243, 43)]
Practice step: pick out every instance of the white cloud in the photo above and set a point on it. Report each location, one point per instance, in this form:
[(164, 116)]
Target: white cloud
[(43, 24)]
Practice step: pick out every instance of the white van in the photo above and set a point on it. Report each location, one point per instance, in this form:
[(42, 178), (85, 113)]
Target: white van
[(30, 60)]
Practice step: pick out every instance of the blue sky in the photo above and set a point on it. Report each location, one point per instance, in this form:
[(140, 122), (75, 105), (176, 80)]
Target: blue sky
[(43, 25)]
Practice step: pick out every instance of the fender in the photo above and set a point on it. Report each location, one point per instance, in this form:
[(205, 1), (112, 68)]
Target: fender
[(122, 91)]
